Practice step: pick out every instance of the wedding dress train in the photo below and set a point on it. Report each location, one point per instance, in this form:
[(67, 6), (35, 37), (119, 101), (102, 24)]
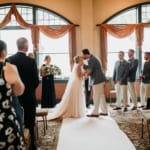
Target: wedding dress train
[(73, 100)]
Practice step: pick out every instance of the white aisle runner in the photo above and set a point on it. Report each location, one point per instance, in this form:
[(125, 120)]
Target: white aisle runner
[(92, 134)]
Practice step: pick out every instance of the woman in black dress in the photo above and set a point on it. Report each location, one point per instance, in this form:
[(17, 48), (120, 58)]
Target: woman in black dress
[(48, 89), (10, 84)]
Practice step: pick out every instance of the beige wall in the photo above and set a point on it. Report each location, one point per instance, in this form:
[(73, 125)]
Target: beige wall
[(86, 13)]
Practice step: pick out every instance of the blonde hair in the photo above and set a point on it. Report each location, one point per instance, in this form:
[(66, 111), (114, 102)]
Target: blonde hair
[(76, 59)]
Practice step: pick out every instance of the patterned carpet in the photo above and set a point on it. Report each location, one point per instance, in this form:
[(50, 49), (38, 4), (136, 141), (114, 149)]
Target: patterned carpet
[(129, 122)]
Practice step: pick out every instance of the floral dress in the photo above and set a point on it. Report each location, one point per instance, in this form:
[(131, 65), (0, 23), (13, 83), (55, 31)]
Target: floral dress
[(10, 135)]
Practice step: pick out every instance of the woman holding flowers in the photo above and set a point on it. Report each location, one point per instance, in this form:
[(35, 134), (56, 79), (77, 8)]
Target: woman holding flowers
[(47, 72)]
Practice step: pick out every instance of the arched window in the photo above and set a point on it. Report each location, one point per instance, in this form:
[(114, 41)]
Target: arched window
[(57, 48), (136, 14)]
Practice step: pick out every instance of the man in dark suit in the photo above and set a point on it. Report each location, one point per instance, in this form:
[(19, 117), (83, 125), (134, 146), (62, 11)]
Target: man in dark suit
[(145, 78), (133, 64), (29, 75), (87, 92), (120, 75)]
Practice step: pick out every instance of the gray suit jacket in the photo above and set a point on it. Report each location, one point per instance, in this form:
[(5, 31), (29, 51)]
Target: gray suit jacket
[(133, 64), (121, 71), (97, 74), (146, 72)]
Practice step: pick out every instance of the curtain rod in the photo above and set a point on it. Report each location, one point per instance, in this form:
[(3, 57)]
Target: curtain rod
[(98, 24), (77, 25)]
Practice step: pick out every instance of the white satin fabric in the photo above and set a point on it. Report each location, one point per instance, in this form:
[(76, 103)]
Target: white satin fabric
[(73, 101)]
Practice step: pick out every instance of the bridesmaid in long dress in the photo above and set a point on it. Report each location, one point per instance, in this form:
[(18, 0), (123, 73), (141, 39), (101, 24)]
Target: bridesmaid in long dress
[(48, 89)]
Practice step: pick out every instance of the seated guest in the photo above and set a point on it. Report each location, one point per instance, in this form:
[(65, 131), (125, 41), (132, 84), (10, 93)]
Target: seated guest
[(10, 83), (145, 81)]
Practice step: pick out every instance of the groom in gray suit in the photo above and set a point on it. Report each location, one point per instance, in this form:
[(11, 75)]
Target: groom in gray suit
[(94, 70)]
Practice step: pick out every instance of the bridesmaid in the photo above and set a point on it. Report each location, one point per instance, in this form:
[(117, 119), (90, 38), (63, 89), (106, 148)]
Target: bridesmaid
[(48, 89)]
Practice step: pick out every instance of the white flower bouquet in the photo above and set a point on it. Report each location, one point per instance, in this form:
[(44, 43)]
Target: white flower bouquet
[(52, 69)]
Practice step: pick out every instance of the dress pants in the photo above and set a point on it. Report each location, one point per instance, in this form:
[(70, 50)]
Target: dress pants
[(121, 94), (132, 94), (99, 98), (144, 92), (87, 92)]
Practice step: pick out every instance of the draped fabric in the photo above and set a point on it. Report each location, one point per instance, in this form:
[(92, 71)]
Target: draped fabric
[(119, 32), (45, 29)]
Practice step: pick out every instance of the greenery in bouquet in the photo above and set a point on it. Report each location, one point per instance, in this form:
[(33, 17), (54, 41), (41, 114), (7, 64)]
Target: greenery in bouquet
[(52, 69)]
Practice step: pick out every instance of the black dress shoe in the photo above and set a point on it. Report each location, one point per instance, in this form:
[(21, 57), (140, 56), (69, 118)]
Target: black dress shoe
[(125, 109), (145, 108), (141, 106), (103, 114), (92, 115), (116, 108), (134, 108)]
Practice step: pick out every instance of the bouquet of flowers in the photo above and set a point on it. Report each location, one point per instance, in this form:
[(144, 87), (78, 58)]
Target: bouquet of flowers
[(52, 69)]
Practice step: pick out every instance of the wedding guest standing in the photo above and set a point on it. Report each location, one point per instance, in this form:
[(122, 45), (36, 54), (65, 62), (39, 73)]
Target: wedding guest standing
[(10, 83), (29, 74), (120, 76), (133, 64), (48, 89), (145, 81), (95, 71)]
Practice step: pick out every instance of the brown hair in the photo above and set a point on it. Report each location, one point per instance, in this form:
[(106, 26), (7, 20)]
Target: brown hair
[(76, 59)]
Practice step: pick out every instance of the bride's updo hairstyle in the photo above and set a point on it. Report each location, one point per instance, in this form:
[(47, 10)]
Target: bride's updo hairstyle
[(76, 59)]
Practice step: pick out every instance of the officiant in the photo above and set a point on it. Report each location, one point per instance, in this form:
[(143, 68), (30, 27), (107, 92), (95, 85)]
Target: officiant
[(47, 72)]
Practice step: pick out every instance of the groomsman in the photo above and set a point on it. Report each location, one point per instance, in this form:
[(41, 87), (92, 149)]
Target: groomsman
[(145, 84), (133, 64), (120, 76), (95, 71)]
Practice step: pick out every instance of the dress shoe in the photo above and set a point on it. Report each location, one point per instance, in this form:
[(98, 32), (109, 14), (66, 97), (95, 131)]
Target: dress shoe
[(141, 106), (92, 115), (116, 108), (125, 109), (103, 114), (145, 108), (134, 108)]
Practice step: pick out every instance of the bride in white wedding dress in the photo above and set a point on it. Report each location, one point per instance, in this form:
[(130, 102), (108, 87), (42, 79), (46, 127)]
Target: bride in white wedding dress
[(73, 101)]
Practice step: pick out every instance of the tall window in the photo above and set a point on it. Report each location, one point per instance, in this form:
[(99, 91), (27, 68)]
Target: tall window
[(132, 15), (58, 49)]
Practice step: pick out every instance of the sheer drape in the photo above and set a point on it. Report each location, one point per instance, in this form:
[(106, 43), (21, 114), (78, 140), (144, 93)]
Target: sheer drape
[(45, 29), (119, 32)]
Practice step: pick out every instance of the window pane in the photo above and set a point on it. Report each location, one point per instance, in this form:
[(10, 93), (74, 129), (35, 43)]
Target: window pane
[(146, 42), (123, 44), (26, 14), (6, 35), (146, 13), (3, 12), (58, 49), (113, 48), (45, 17), (129, 16)]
